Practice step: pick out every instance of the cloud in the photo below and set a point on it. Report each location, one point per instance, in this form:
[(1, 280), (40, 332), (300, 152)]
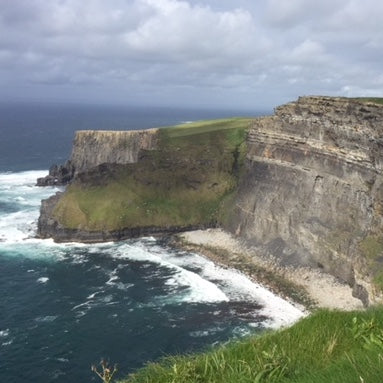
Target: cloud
[(241, 52)]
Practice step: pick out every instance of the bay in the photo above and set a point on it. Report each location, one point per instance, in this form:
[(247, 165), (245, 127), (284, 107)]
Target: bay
[(65, 306)]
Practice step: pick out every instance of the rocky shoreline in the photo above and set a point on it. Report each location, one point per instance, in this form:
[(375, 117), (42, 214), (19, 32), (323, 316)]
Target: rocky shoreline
[(303, 286)]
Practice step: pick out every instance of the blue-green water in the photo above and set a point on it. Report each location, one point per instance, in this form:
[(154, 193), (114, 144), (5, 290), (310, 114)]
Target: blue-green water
[(65, 306)]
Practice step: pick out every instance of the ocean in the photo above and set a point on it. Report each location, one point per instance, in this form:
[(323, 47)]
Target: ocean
[(63, 307)]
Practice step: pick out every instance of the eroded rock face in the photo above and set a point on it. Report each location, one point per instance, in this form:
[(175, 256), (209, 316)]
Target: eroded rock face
[(58, 175), (92, 148), (312, 192)]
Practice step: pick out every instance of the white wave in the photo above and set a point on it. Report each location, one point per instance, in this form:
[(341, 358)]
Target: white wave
[(4, 333), (197, 289), (280, 311), (18, 226), (113, 277), (212, 283), (21, 178), (93, 295), (198, 334), (86, 304), (18, 190), (43, 280), (229, 284), (238, 287), (47, 318), (78, 258), (62, 360)]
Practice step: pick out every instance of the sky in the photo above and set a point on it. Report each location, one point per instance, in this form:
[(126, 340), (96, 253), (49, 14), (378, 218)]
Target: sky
[(243, 54)]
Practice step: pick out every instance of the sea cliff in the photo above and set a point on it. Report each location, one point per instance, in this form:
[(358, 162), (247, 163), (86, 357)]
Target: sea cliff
[(312, 190), (304, 186), (93, 148)]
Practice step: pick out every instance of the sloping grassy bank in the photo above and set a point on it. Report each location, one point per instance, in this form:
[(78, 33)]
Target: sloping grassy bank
[(185, 182), (328, 346)]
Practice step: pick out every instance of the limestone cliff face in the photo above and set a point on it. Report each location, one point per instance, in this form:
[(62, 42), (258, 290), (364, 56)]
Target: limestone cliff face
[(312, 192), (92, 148)]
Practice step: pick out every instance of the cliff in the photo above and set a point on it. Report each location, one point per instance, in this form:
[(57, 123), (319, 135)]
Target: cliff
[(127, 184), (306, 187), (94, 148), (312, 192)]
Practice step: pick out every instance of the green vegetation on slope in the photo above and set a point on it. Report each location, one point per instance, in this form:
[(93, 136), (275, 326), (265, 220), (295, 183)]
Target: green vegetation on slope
[(372, 249), (185, 182), (328, 346), (376, 100)]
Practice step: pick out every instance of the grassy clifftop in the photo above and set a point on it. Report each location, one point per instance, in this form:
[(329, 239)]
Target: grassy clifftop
[(341, 347), (375, 100), (184, 182)]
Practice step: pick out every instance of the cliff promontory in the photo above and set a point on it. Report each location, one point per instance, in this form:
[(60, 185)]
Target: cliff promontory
[(312, 191), (127, 184)]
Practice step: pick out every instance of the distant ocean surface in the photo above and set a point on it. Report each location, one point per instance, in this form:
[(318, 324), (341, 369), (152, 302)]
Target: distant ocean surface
[(65, 306)]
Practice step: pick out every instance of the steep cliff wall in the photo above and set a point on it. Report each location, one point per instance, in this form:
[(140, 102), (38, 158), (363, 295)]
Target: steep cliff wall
[(92, 148), (312, 191)]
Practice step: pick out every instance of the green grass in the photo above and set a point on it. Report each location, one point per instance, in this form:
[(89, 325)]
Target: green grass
[(328, 346), (372, 250), (202, 127), (375, 100), (372, 247), (184, 183)]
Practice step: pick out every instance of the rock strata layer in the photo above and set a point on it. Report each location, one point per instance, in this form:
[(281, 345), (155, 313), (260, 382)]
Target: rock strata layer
[(312, 191), (93, 148)]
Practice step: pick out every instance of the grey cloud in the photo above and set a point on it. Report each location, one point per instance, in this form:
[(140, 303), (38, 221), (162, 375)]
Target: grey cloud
[(241, 52)]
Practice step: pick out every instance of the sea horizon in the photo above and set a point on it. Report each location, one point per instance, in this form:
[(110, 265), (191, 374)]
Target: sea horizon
[(43, 132)]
